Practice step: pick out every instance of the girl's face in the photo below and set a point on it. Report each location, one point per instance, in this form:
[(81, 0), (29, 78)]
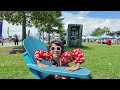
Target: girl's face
[(55, 51)]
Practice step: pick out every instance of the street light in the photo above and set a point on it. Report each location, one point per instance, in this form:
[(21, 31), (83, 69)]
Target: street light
[(8, 33)]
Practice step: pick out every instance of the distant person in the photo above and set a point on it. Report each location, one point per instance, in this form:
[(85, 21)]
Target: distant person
[(16, 39), (1, 40), (63, 40)]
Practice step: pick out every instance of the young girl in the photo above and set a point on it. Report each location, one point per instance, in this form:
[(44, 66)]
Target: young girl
[(58, 57)]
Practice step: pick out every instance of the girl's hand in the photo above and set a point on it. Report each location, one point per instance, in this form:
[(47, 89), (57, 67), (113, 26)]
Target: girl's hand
[(42, 65), (73, 68)]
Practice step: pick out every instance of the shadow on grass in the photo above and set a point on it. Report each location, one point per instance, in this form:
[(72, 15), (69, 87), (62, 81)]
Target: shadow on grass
[(17, 50)]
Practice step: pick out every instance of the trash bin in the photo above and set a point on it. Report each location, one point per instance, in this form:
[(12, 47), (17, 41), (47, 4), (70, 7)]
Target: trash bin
[(108, 42)]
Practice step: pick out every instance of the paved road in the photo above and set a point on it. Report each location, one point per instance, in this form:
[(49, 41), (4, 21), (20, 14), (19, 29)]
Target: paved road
[(9, 44)]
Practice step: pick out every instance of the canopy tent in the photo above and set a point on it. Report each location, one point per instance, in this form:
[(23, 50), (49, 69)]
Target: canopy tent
[(96, 37), (106, 37), (93, 37), (83, 37), (90, 37), (117, 37)]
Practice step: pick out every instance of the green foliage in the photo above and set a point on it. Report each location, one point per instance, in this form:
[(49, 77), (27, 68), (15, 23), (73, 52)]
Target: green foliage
[(49, 21), (18, 18), (99, 31), (13, 67), (14, 17), (43, 20)]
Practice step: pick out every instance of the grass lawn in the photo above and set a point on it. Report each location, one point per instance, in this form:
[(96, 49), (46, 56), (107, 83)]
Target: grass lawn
[(12, 66), (103, 61)]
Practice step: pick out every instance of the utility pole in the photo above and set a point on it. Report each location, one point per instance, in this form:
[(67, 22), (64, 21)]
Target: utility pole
[(8, 33), (28, 33)]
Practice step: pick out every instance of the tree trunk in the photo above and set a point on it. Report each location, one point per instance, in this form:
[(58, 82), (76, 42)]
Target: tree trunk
[(39, 33), (49, 38), (43, 36), (24, 27), (39, 36)]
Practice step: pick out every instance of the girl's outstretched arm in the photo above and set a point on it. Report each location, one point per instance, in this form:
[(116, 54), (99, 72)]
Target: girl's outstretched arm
[(39, 55), (74, 55)]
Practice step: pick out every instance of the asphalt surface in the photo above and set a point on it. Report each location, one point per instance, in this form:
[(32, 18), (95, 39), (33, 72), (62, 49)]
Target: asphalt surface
[(6, 44)]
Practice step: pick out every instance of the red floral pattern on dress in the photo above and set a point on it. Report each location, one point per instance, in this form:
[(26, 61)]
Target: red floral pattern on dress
[(67, 57)]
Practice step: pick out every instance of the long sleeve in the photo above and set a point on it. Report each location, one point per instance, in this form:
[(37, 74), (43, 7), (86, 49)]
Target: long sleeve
[(74, 55), (41, 54)]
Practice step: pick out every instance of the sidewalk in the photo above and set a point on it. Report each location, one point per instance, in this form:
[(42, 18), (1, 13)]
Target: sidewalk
[(9, 44)]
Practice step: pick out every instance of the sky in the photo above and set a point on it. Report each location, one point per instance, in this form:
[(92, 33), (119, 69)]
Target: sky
[(89, 19)]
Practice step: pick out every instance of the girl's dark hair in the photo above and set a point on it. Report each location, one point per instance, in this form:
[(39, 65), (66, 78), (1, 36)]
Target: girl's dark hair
[(58, 43)]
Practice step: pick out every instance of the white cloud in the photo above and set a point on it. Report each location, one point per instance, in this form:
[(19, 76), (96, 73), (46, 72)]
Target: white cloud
[(90, 24), (84, 12)]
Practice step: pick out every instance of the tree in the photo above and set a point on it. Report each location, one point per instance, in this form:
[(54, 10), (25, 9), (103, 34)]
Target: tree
[(50, 20), (41, 31), (19, 18), (106, 30), (46, 19), (61, 31), (96, 32), (99, 31)]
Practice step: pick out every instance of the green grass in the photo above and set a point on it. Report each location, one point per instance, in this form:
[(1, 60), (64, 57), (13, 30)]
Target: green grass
[(12, 66), (103, 62)]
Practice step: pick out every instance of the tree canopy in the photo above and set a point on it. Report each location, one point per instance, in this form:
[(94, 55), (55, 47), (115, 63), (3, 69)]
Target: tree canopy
[(43, 20), (99, 31)]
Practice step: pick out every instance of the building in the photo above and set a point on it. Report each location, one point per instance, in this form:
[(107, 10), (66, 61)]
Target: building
[(115, 34)]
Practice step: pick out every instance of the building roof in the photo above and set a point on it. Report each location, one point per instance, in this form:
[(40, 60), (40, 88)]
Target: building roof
[(117, 32)]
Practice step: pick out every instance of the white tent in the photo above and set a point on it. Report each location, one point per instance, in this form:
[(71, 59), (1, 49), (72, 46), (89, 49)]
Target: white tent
[(90, 37), (106, 37), (96, 37), (83, 37), (117, 37), (93, 37)]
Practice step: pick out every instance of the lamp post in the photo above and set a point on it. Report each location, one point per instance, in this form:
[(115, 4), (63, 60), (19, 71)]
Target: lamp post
[(8, 33)]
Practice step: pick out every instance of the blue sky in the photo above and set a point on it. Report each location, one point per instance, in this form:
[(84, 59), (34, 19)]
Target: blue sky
[(93, 19), (101, 14), (89, 19), (105, 14)]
